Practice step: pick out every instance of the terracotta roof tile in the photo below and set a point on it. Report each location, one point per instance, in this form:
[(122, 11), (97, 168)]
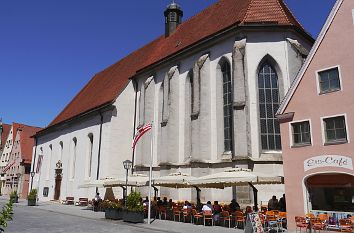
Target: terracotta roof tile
[(26, 142), (5, 132), (105, 86)]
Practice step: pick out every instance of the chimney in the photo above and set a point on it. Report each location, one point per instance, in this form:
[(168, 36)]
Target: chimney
[(173, 18)]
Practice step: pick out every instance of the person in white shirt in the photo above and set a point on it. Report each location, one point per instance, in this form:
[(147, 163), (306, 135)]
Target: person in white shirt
[(207, 207)]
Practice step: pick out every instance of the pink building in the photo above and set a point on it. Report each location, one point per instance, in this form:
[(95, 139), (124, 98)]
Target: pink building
[(317, 124)]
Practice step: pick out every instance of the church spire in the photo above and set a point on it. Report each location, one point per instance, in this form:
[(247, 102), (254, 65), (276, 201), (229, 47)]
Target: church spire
[(173, 18)]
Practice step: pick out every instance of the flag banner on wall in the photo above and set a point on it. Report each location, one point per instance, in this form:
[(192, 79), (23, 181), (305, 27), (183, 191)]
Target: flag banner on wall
[(39, 163), (8, 166), (140, 133)]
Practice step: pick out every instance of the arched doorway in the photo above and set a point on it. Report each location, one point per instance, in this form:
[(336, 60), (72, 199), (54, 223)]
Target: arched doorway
[(58, 178), (330, 192)]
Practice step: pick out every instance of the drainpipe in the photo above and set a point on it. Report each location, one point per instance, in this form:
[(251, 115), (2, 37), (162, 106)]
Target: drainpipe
[(135, 84), (99, 150), (34, 162)]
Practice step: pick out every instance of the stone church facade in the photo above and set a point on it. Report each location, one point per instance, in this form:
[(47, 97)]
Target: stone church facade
[(210, 86)]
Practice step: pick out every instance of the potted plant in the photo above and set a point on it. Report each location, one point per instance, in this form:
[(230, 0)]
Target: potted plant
[(32, 197), (14, 197), (135, 209), (113, 210)]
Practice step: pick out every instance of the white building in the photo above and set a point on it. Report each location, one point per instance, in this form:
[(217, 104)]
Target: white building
[(211, 87)]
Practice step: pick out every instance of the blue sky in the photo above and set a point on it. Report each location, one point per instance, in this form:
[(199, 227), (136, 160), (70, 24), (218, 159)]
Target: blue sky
[(50, 49)]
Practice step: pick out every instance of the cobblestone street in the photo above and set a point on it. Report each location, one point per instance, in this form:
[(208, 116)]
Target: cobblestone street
[(55, 218)]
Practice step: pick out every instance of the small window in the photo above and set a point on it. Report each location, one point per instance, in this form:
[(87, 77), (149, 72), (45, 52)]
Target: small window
[(301, 133), (335, 130), (45, 191), (329, 80)]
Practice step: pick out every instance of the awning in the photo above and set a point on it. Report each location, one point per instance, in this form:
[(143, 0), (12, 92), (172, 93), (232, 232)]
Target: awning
[(234, 177), (174, 180), (136, 180)]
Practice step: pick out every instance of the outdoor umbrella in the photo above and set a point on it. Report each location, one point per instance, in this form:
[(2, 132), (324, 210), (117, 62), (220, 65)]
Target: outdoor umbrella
[(234, 177), (136, 180), (174, 180), (95, 183)]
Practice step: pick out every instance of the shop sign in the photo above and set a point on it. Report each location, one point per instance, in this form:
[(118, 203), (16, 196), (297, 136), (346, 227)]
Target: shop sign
[(328, 161)]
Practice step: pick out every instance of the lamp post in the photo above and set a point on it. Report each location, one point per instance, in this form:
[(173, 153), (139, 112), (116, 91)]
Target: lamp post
[(127, 164), (32, 175), (18, 183)]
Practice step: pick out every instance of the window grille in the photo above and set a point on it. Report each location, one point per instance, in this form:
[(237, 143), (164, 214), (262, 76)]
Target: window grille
[(227, 105), (268, 91)]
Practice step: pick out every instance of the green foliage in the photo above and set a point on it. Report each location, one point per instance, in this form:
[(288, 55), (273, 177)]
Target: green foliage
[(32, 195), (13, 195), (134, 202), (6, 215)]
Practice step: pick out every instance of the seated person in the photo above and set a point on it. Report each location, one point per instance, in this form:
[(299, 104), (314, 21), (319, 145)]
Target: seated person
[(146, 201), (96, 201), (216, 210), (159, 201), (170, 203), (207, 207), (234, 206), (164, 202), (187, 205)]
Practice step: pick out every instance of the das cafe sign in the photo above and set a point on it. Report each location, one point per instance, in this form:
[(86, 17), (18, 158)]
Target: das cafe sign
[(338, 161)]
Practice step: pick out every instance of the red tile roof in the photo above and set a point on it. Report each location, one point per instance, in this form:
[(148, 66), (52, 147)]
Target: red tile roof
[(5, 132), (26, 142), (106, 86)]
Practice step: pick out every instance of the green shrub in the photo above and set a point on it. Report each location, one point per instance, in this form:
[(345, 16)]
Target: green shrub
[(134, 202), (13, 195), (6, 215), (32, 195)]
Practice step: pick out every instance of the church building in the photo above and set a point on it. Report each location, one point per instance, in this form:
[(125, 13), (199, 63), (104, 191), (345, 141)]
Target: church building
[(210, 86)]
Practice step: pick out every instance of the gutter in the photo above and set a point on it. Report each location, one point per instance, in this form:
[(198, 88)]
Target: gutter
[(99, 149), (135, 85)]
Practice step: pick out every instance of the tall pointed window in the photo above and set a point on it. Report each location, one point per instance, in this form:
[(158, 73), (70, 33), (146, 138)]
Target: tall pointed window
[(73, 151), (227, 104), (90, 136), (268, 89)]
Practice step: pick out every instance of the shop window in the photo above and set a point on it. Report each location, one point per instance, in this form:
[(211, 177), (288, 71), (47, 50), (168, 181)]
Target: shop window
[(331, 192), (329, 80), (301, 133), (335, 130)]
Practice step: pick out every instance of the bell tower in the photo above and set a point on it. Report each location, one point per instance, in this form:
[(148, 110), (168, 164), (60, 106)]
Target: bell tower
[(173, 18)]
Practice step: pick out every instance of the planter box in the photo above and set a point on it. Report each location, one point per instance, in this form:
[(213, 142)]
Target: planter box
[(133, 217), (31, 202), (113, 214)]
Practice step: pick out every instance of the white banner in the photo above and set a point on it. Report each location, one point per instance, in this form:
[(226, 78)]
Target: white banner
[(328, 161)]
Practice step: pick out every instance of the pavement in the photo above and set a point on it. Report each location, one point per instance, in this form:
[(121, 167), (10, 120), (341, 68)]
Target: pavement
[(55, 217)]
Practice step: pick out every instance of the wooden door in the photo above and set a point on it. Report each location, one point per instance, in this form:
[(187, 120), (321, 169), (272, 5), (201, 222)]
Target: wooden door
[(57, 185)]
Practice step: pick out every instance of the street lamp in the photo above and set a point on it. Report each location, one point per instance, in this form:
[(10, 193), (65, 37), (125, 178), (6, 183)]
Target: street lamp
[(127, 164), (18, 183), (32, 175)]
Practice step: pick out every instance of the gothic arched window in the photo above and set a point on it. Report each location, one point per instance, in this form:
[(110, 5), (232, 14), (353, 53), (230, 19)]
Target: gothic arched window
[(227, 105), (90, 149), (268, 91)]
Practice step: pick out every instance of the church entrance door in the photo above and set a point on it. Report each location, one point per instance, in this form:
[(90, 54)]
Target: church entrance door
[(58, 178), (57, 187)]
